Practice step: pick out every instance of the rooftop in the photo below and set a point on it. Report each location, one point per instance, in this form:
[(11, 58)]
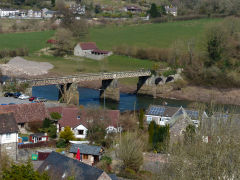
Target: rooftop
[(8, 123), (86, 149), (60, 167)]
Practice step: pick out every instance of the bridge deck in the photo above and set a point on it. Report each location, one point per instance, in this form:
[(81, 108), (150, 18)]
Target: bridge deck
[(86, 77)]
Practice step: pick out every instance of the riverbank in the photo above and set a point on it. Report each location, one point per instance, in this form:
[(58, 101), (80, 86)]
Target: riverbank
[(189, 93)]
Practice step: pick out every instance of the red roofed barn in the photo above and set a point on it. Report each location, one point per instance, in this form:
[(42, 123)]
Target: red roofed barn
[(90, 50)]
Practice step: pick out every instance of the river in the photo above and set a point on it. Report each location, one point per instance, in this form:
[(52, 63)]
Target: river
[(90, 97)]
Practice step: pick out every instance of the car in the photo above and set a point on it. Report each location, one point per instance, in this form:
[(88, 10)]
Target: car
[(32, 98), (11, 104), (23, 96), (16, 94), (40, 99), (8, 94)]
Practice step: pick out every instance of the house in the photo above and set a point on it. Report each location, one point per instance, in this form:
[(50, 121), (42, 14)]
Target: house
[(88, 154), (78, 120), (8, 12), (77, 9), (90, 50), (26, 114), (132, 9), (160, 114), (48, 13), (8, 135), (38, 137), (171, 10), (59, 166), (163, 115)]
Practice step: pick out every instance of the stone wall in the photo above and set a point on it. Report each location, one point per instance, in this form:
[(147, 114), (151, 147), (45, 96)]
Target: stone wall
[(10, 149)]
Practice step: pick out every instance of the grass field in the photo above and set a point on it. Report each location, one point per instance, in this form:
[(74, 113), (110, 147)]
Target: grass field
[(149, 35), (75, 65), (34, 41)]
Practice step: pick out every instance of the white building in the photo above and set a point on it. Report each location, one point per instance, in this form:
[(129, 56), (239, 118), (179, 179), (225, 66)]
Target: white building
[(8, 12), (163, 115), (90, 50), (171, 10), (8, 135)]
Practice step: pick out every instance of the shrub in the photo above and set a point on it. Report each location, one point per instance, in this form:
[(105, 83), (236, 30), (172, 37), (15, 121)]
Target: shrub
[(169, 72), (61, 143)]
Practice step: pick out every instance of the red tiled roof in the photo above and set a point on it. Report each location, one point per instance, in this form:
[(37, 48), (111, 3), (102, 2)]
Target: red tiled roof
[(70, 116), (100, 51), (88, 45), (24, 113)]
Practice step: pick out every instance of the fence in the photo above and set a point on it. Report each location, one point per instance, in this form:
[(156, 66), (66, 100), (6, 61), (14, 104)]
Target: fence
[(37, 145)]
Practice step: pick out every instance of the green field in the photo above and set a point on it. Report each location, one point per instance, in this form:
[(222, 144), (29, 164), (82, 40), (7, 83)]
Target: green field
[(149, 35), (34, 41), (73, 65)]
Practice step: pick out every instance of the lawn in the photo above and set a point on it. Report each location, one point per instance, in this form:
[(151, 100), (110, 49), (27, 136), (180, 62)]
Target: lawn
[(149, 35), (74, 65), (34, 41)]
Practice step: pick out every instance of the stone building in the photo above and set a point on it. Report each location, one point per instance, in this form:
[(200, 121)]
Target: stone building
[(8, 135), (90, 50), (88, 154)]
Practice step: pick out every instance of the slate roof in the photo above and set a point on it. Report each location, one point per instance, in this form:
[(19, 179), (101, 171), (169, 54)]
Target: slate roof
[(8, 123), (38, 135), (165, 111), (88, 45), (86, 149), (25, 113), (57, 165)]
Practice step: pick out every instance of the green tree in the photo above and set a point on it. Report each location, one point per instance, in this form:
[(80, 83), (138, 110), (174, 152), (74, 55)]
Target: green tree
[(46, 123), (141, 118), (67, 134), (21, 172), (154, 11), (189, 134), (52, 131), (151, 128), (96, 133), (53, 3), (55, 116)]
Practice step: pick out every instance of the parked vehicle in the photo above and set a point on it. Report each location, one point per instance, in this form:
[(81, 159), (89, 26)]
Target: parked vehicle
[(40, 99), (23, 96), (11, 104), (16, 94), (32, 98), (8, 94)]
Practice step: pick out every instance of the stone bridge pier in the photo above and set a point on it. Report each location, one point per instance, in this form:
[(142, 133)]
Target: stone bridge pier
[(110, 90)]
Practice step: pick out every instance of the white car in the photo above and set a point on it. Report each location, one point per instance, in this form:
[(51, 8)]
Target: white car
[(23, 96)]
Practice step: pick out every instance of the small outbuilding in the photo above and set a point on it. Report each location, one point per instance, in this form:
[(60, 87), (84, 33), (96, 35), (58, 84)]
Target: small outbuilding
[(38, 137)]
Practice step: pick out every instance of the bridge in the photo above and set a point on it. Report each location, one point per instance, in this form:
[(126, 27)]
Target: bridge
[(85, 77), (109, 88)]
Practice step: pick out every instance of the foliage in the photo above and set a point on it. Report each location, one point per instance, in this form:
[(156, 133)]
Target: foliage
[(52, 131), (67, 134), (190, 133), (107, 159), (158, 136), (14, 86), (34, 126), (130, 151), (49, 127), (55, 115), (96, 133), (154, 11), (141, 118), (22, 171), (105, 164), (61, 143), (169, 72), (46, 123)]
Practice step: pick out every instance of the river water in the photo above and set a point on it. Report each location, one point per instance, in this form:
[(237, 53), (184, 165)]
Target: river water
[(90, 97)]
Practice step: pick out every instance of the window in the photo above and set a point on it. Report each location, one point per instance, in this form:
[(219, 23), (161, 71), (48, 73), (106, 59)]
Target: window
[(85, 156), (8, 136), (78, 117), (22, 125), (80, 132)]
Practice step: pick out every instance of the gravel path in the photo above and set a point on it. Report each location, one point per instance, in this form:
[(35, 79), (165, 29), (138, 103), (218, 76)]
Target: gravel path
[(19, 66)]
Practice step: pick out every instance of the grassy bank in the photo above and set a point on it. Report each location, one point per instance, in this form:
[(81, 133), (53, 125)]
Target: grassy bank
[(149, 35), (34, 41)]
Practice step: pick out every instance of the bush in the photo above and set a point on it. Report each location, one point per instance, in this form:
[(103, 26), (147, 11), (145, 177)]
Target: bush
[(61, 143), (169, 72)]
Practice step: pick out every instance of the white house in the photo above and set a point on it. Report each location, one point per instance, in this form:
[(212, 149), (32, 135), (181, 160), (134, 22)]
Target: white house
[(8, 12), (163, 115), (90, 50), (8, 135), (171, 10)]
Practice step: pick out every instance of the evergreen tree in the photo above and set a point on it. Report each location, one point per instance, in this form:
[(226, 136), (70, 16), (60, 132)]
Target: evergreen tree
[(151, 132), (154, 11), (53, 3), (67, 134)]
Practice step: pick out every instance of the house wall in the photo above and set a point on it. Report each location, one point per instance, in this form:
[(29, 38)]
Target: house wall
[(150, 118), (77, 135), (89, 160), (8, 145), (78, 51)]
